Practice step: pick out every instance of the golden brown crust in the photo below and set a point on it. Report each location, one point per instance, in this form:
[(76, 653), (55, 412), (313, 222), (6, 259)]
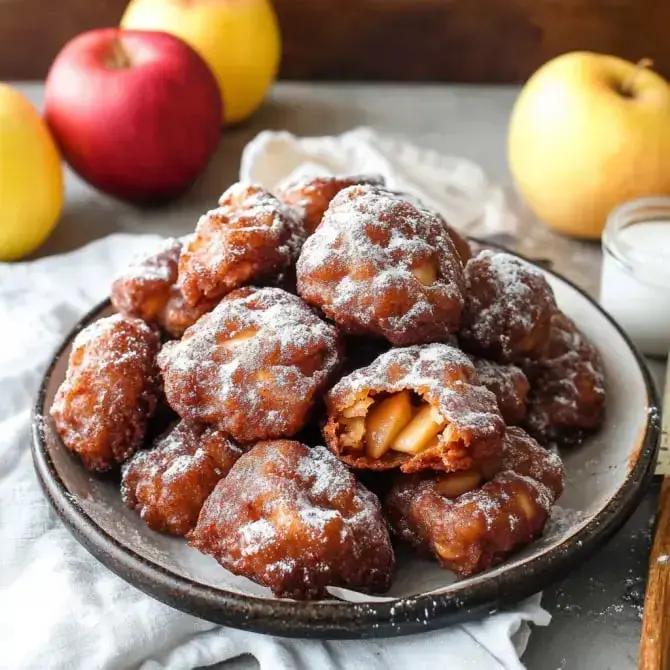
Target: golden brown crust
[(110, 391), (295, 519), (169, 483), (147, 290), (143, 289), (177, 315), (378, 265), (523, 454), (253, 367), (462, 246), (509, 385), (567, 397), (312, 195), (508, 308), (250, 237), (482, 527), (484, 454), (441, 376)]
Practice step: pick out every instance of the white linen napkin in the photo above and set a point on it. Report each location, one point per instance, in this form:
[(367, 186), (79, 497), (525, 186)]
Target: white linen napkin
[(60, 608), (455, 187)]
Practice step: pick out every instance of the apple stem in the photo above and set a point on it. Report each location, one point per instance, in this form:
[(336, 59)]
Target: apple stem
[(118, 58), (628, 86)]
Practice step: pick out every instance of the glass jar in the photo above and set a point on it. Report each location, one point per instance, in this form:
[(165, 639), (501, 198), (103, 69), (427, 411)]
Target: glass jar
[(635, 286)]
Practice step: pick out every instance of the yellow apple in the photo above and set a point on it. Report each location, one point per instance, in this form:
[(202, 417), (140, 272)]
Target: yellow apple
[(587, 133), (239, 40), (31, 177)]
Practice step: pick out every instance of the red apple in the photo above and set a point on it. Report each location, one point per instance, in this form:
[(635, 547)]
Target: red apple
[(137, 114)]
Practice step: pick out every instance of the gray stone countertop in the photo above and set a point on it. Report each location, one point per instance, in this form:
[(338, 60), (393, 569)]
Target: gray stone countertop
[(596, 610)]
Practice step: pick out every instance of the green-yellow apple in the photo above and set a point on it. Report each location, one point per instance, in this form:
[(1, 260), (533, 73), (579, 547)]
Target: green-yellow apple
[(137, 114), (239, 40), (587, 133), (31, 177)]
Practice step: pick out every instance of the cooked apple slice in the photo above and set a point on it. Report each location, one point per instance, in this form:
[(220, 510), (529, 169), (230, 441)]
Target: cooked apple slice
[(457, 483), (238, 338), (419, 432), (385, 421), (527, 506), (425, 273)]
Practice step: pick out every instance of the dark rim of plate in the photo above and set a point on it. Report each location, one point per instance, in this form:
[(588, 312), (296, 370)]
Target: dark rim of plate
[(337, 619)]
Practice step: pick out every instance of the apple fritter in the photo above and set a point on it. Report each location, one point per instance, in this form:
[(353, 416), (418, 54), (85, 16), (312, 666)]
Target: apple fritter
[(251, 237), (311, 196), (110, 392), (509, 385), (567, 396), (508, 308), (463, 247), (253, 367), (469, 524), (169, 483), (294, 519), (147, 290), (416, 408), (378, 265), (143, 289)]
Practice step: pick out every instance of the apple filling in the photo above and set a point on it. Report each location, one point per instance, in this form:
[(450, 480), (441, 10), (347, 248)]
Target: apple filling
[(236, 340), (426, 273), (456, 484), (400, 422)]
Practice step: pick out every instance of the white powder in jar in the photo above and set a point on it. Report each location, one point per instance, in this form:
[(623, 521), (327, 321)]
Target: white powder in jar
[(635, 287)]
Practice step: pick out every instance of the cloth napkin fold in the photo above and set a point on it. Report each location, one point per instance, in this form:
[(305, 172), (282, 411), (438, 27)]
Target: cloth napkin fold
[(60, 608), (455, 187)]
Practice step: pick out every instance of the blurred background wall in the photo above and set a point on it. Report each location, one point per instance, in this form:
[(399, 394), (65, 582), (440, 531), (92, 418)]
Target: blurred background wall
[(448, 40)]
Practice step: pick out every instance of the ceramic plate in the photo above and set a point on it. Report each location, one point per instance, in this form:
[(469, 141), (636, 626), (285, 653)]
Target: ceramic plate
[(606, 478)]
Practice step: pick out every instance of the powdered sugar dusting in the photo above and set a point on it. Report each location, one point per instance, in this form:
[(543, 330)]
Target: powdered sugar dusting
[(101, 335), (563, 520), (110, 391), (523, 455), (321, 474), (169, 483), (506, 300), (364, 254), (172, 452), (508, 275), (508, 383), (159, 265), (567, 392), (318, 495), (251, 236), (496, 375), (443, 375), (260, 353), (261, 207), (296, 519), (256, 536)]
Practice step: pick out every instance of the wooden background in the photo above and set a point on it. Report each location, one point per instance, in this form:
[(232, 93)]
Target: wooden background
[(447, 40)]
